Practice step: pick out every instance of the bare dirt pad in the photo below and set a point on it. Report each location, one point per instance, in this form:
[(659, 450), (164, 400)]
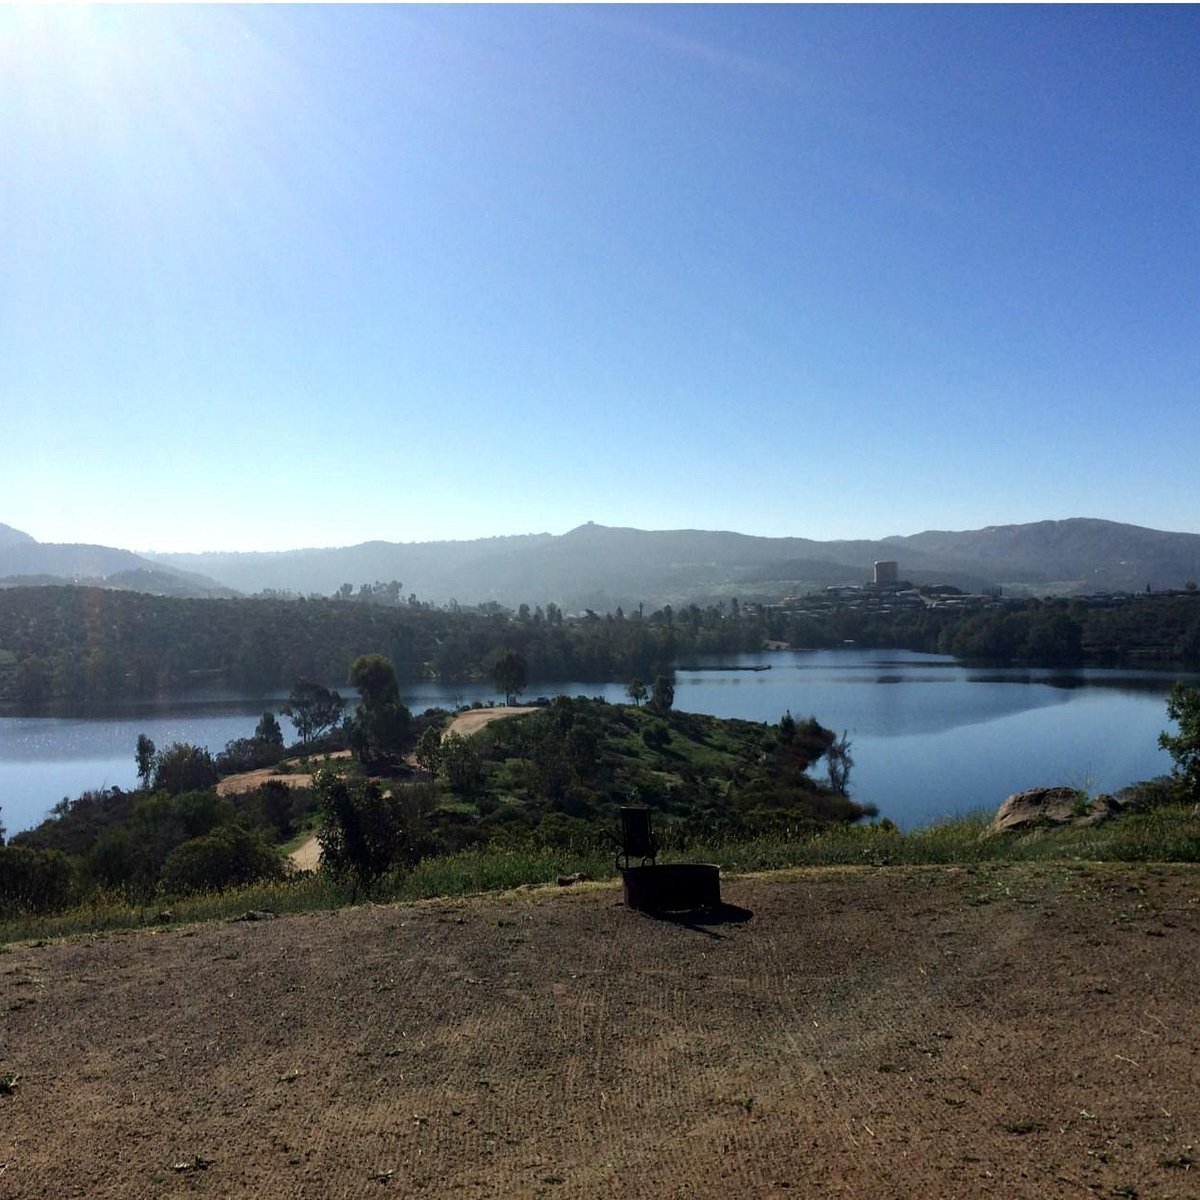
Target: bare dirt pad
[(475, 719), (247, 781), (941, 1032)]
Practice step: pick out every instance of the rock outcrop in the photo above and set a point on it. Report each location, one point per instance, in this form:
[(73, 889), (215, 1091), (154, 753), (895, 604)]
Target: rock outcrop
[(1052, 806)]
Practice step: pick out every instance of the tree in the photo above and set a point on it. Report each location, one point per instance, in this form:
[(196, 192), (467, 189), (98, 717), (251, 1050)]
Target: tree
[(182, 767), (313, 709), (662, 699), (145, 759), (32, 683), (508, 674), (787, 727), (363, 832), (268, 730), (1053, 638), (429, 750), (462, 765), (379, 730), (247, 754), (275, 807), (228, 857), (375, 678), (1183, 707), (636, 691), (838, 762)]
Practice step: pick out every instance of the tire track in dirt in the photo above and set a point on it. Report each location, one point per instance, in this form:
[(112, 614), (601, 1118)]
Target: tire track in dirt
[(557, 1044), (859, 1014)]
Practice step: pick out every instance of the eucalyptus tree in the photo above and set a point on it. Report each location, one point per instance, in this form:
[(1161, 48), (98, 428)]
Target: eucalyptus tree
[(313, 709), (508, 674), (144, 755), (379, 730)]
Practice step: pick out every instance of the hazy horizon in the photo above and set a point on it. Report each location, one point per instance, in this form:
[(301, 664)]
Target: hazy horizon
[(300, 277), (534, 533)]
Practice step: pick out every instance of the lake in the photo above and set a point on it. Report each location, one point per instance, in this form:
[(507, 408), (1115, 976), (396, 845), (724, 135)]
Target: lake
[(930, 737)]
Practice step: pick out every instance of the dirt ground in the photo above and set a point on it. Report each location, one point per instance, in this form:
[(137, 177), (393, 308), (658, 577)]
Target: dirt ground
[(869, 1032), (247, 781), (467, 723)]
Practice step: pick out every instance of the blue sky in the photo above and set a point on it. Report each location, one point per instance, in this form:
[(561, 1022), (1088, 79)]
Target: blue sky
[(291, 276)]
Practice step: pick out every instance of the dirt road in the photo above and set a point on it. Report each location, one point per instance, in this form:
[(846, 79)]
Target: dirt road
[(307, 856), (893, 1032), (473, 720), (247, 781)]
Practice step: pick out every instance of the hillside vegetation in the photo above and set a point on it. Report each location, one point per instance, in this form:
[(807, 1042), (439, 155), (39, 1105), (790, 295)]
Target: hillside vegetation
[(548, 782), (526, 801), (90, 645)]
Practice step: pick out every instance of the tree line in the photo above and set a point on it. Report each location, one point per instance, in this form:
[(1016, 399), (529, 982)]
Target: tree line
[(1153, 629), (91, 645)]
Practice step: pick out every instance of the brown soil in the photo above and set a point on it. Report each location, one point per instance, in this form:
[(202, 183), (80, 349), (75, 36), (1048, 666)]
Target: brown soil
[(247, 781), (475, 719), (895, 1032)]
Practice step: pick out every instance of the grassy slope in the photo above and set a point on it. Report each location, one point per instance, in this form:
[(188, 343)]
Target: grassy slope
[(690, 768), (1170, 834)]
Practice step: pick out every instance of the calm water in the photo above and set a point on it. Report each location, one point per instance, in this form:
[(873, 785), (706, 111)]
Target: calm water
[(930, 738)]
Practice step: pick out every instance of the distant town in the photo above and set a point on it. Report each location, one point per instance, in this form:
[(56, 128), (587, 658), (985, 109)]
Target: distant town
[(886, 593)]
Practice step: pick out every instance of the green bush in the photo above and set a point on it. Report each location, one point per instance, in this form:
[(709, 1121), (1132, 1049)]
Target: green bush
[(363, 832), (1183, 707), (228, 857), (248, 754), (35, 881), (182, 767)]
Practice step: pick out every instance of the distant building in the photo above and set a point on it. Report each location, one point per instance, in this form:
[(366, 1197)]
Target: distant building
[(886, 572)]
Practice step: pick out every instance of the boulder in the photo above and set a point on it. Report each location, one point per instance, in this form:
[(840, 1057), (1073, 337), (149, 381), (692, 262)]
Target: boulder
[(1052, 806)]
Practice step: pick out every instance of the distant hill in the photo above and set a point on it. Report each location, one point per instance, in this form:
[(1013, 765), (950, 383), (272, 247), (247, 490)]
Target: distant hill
[(1076, 555), (434, 564), (25, 561), (600, 567), (13, 537)]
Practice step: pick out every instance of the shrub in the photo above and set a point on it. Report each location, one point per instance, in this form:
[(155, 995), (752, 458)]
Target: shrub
[(227, 857), (1148, 794), (184, 768), (35, 881), (274, 807), (248, 754), (656, 736), (363, 832)]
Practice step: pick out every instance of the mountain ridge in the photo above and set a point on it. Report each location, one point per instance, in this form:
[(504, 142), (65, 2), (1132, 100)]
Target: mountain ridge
[(602, 567), (24, 560)]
